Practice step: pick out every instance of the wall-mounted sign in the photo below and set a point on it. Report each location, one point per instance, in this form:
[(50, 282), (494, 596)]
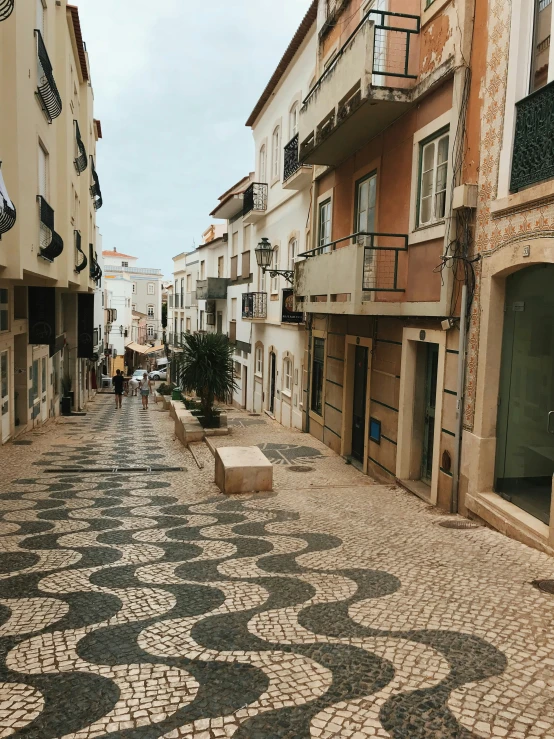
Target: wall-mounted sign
[(288, 314), (42, 315)]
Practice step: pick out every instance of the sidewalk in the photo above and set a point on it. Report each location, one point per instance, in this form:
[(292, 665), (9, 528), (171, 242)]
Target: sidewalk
[(149, 605)]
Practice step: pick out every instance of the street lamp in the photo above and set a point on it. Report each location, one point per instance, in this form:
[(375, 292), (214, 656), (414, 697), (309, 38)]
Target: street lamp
[(264, 257)]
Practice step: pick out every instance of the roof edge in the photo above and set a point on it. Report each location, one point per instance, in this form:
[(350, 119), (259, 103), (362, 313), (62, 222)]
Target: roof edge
[(74, 10)]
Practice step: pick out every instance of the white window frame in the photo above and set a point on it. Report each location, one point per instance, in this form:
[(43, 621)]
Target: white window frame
[(275, 264), (259, 361), (294, 115), (433, 145), (322, 239), (150, 311), (151, 290), (124, 264), (287, 376), (276, 154), (293, 251), (263, 163), (150, 331)]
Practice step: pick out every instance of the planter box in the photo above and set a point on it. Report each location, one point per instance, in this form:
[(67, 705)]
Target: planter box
[(187, 427)]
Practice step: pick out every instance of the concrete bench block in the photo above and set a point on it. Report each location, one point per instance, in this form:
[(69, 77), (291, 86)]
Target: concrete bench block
[(242, 469)]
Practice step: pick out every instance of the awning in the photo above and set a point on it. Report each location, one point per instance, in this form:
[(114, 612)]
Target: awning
[(144, 348), (154, 349)]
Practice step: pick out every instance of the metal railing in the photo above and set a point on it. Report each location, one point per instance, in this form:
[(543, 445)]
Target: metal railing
[(254, 305), (95, 192), (380, 265), (81, 260), (95, 271), (47, 90), (133, 270), (51, 243), (391, 47), (255, 198), (8, 214), (292, 162), (191, 299), (81, 160), (6, 9), (533, 155)]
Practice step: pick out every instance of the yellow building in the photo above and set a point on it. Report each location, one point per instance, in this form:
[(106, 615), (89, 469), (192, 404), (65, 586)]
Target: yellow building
[(49, 194)]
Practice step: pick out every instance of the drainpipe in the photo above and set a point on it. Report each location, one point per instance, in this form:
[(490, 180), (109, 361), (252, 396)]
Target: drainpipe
[(459, 400)]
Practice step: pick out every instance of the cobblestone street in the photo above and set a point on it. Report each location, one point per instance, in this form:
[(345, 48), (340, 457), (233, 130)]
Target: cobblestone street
[(147, 604)]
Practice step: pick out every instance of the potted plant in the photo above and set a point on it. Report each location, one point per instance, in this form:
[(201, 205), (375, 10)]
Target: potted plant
[(205, 368), (67, 395)]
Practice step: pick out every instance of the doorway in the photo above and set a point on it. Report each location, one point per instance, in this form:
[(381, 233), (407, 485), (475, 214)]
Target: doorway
[(272, 378), (359, 403), (219, 326), (5, 395), (429, 410), (244, 386), (525, 441), (44, 391)]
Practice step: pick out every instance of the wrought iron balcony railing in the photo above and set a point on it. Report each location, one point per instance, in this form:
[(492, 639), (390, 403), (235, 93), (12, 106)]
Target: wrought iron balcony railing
[(254, 306), (81, 260), (533, 156), (51, 243), (7, 208), (95, 191), (380, 263), (81, 160), (95, 271), (255, 198), (47, 91), (292, 164), (6, 9)]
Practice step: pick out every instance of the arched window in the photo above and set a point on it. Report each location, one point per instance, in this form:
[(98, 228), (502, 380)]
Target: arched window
[(293, 250), (150, 331), (276, 146), (150, 311), (263, 164), (293, 121)]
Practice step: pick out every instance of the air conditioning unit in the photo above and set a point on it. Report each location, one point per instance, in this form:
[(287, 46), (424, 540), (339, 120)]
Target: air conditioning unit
[(210, 306)]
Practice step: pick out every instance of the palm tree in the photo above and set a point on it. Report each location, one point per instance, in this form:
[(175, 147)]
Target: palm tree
[(205, 367)]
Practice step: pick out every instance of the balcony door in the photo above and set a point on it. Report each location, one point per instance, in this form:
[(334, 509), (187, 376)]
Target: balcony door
[(5, 395), (44, 390), (272, 378), (366, 194), (525, 429)]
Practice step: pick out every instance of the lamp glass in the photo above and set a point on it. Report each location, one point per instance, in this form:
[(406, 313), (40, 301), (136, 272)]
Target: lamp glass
[(264, 253)]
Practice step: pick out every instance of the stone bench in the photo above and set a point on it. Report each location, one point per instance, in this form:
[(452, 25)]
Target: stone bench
[(187, 427), (242, 469)]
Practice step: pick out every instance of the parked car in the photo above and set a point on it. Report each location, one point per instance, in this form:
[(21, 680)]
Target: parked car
[(159, 374), (138, 374)]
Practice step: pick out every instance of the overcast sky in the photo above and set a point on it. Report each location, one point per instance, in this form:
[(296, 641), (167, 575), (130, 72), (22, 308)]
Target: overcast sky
[(174, 83)]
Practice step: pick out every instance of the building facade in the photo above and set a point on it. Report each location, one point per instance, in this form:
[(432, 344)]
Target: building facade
[(508, 448), (49, 195)]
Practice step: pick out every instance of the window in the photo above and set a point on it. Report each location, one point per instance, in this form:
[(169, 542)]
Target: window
[(233, 309), (365, 204), (318, 366), (293, 249), (76, 210), (188, 325), (150, 311), (201, 321), (134, 306), (275, 280), (235, 244), (40, 16), (324, 224), (182, 325), (293, 121), (263, 164), (237, 369), (43, 171), (151, 289), (261, 280), (189, 283), (4, 310), (134, 288), (124, 264), (259, 361), (433, 169), (220, 266), (150, 332), (203, 270), (276, 153), (287, 376), (541, 44)]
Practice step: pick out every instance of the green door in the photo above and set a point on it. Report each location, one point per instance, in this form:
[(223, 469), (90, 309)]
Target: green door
[(432, 367), (525, 431)]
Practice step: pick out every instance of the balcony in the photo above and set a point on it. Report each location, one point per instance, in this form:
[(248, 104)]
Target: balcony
[(533, 156), (95, 272), (7, 208), (95, 192), (254, 306), (214, 288), (191, 300), (51, 243), (342, 276), (6, 9), (296, 176), (365, 88), (47, 92), (81, 160), (254, 203), (81, 260)]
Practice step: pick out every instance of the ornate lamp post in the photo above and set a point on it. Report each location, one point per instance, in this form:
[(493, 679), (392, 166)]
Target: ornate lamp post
[(264, 258)]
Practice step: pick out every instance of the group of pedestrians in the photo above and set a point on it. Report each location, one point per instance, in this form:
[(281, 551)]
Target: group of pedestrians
[(144, 385)]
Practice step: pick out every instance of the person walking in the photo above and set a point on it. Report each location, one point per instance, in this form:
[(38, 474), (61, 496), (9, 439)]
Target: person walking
[(133, 385), (118, 383), (145, 389)]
